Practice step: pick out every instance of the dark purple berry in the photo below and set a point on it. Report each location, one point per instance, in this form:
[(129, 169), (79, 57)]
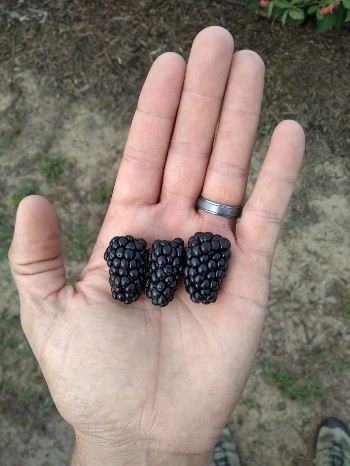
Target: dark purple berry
[(206, 265), (165, 266), (126, 259)]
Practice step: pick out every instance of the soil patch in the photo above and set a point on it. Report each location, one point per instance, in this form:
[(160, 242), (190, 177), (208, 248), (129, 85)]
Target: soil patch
[(69, 79)]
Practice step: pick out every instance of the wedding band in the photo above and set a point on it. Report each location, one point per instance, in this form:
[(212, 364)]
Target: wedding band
[(224, 210)]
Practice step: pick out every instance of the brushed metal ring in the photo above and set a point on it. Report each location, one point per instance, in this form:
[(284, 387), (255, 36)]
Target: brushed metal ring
[(215, 208)]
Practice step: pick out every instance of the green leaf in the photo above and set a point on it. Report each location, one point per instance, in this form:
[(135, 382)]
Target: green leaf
[(326, 23), (253, 5), (346, 4), (347, 17), (339, 17), (282, 3), (311, 10), (319, 16), (270, 9), (21, 192), (297, 14), (284, 17)]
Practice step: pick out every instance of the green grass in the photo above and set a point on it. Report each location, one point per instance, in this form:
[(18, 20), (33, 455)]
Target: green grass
[(337, 366), (51, 168), (16, 119), (346, 306), (80, 246), (21, 192), (6, 234), (103, 194), (19, 113), (249, 403), (301, 388), (326, 362)]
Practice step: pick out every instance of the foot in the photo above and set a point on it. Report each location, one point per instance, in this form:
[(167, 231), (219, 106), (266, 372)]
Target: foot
[(225, 453), (332, 443)]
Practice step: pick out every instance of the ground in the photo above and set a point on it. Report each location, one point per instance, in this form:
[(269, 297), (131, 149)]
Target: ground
[(69, 79)]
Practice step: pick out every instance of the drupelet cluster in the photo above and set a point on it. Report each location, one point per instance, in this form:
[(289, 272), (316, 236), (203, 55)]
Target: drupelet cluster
[(133, 270), (165, 265), (206, 265), (126, 259)]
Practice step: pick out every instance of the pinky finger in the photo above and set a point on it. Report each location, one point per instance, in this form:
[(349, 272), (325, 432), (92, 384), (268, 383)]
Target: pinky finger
[(264, 211)]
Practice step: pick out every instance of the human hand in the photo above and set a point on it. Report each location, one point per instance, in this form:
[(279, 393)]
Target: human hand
[(153, 385)]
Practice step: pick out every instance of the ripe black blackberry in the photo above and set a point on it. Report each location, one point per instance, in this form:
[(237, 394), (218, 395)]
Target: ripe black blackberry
[(165, 265), (206, 265), (126, 259)]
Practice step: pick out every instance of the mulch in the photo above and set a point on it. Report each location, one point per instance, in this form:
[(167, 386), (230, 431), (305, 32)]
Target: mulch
[(101, 51)]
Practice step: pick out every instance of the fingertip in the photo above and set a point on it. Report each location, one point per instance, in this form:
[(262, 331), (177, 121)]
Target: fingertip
[(291, 129), (36, 229), (286, 150), (287, 143), (170, 58), (215, 34), (252, 58), (292, 125), (34, 199), (161, 91), (34, 209)]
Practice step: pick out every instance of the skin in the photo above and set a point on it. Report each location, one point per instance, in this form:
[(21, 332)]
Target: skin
[(153, 385)]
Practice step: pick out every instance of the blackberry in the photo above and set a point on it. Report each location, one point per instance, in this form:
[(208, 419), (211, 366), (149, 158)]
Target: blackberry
[(126, 259), (206, 265), (165, 265)]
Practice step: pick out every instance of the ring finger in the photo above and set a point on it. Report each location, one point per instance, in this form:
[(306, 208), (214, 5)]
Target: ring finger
[(227, 173)]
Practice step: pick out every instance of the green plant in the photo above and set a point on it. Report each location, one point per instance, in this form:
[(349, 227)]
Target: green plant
[(276, 374), (249, 403), (103, 194), (21, 192), (303, 388), (346, 304), (329, 14), (20, 112), (51, 168), (6, 233), (80, 246)]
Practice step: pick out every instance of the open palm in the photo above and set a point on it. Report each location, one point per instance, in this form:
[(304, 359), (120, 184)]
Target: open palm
[(166, 377)]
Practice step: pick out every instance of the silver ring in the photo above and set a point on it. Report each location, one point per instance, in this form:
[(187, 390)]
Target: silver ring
[(216, 208)]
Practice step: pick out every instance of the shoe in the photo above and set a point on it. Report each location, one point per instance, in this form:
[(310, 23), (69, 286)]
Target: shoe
[(225, 453), (332, 443)]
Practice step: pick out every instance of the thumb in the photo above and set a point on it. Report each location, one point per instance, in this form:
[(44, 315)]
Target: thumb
[(35, 252)]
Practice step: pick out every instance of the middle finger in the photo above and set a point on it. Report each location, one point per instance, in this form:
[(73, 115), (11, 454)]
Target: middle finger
[(204, 87)]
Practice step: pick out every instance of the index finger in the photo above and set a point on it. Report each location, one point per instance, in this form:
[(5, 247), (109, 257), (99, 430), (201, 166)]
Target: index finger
[(141, 171)]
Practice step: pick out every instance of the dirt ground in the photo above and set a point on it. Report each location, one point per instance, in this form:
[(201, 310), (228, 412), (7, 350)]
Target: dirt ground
[(69, 79)]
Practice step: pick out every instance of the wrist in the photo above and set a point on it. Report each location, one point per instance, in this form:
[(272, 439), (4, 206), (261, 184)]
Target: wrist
[(92, 452)]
